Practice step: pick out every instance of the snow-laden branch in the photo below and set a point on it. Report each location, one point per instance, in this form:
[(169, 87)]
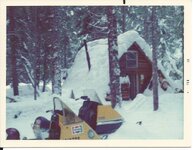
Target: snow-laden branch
[(27, 66), (102, 28), (29, 74), (94, 14), (27, 61)]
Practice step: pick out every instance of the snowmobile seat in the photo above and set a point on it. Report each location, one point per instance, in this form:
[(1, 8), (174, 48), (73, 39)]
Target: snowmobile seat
[(88, 113)]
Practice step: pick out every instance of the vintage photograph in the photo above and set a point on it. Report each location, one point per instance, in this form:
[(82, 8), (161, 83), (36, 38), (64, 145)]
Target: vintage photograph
[(95, 72)]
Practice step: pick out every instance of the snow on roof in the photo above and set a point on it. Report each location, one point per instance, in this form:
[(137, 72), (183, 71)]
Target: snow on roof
[(98, 77), (126, 39)]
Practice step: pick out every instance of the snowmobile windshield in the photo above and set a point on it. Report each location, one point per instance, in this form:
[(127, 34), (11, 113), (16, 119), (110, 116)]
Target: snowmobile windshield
[(68, 116)]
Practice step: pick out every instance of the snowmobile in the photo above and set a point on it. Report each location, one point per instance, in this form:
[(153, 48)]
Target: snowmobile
[(94, 121), (63, 125)]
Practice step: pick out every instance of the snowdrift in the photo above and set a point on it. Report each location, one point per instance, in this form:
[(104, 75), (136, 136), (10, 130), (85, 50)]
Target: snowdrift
[(141, 122), (98, 77)]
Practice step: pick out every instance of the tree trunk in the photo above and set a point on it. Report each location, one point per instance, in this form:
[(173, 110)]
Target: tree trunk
[(65, 51), (57, 89), (123, 18), (37, 53), (45, 69), (146, 24), (13, 44), (114, 70), (154, 65), (55, 25)]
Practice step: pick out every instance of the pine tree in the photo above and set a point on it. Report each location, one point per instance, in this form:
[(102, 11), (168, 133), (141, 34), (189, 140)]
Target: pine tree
[(45, 70), (37, 52), (93, 24), (146, 24), (154, 65), (13, 45), (55, 22), (123, 11), (114, 70)]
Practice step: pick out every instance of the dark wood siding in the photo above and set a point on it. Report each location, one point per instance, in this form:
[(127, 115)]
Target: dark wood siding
[(143, 70)]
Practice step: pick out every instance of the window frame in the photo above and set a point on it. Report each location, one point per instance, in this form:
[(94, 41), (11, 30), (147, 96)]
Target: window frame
[(127, 60)]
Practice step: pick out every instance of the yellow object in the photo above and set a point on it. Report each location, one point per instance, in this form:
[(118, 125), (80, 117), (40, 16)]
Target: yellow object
[(76, 131), (66, 125), (107, 113)]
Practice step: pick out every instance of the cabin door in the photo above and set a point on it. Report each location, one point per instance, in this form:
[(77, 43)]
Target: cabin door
[(144, 79), (134, 88)]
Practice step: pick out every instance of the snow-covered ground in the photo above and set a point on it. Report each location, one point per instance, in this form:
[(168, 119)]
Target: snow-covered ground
[(166, 123), (140, 121)]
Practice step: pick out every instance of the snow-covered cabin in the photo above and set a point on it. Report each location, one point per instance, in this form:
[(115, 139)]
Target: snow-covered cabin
[(135, 57), (135, 65), (135, 60)]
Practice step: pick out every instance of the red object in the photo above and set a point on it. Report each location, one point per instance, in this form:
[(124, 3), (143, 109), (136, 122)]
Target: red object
[(125, 91)]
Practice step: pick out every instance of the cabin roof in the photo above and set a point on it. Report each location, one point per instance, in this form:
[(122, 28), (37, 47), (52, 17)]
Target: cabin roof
[(133, 37)]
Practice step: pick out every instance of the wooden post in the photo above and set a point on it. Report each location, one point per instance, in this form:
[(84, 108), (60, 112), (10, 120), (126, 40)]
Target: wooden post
[(87, 55)]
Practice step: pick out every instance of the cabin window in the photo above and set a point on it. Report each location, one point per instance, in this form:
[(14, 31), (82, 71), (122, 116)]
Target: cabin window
[(132, 58)]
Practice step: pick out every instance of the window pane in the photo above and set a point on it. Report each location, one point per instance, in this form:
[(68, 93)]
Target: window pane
[(132, 55), (132, 59)]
